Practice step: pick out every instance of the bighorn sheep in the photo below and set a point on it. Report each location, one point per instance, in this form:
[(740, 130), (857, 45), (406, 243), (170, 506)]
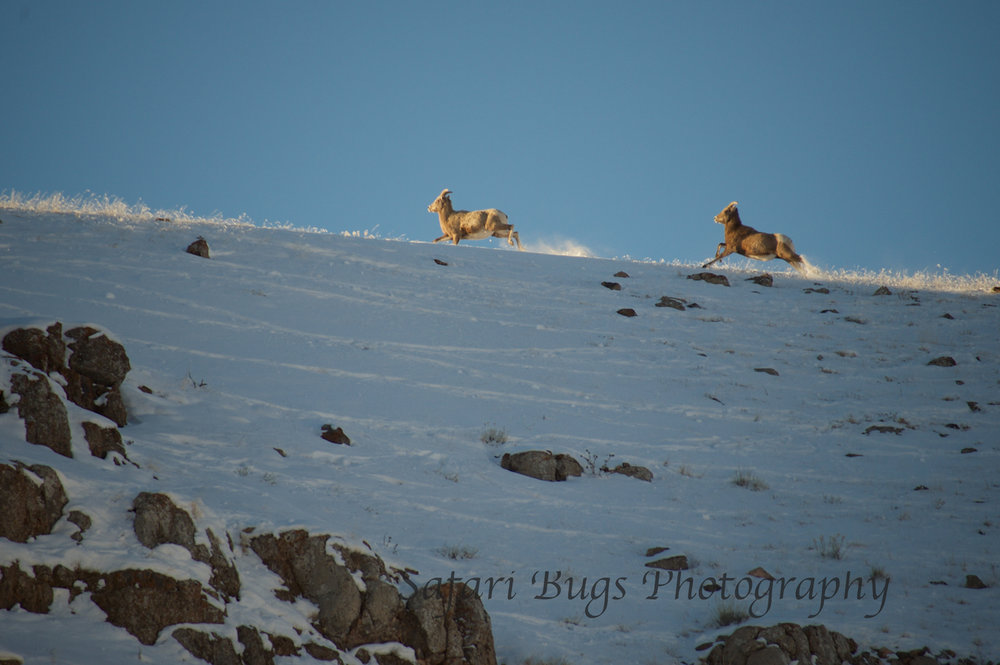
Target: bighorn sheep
[(474, 225), (745, 240)]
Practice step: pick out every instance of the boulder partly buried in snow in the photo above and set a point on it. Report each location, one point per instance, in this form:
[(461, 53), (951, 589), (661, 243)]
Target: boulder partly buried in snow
[(542, 464)]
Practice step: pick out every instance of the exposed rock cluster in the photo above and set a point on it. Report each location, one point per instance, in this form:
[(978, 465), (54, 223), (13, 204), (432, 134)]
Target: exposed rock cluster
[(360, 607), (82, 366), (786, 643)]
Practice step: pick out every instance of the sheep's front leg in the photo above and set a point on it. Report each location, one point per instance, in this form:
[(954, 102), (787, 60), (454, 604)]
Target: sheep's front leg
[(718, 257)]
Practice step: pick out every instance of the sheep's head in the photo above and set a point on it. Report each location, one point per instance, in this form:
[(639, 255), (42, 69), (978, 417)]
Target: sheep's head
[(730, 212), (441, 203)]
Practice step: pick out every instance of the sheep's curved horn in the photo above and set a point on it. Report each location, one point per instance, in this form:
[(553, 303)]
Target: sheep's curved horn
[(444, 192)]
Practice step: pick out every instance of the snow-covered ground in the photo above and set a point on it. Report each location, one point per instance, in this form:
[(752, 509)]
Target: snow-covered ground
[(284, 330)]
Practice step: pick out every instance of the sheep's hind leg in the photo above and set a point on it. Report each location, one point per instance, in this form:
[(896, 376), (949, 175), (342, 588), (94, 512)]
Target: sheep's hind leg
[(513, 234), (510, 234)]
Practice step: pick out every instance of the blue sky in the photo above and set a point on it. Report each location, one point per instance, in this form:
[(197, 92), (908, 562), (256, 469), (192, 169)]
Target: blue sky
[(866, 131)]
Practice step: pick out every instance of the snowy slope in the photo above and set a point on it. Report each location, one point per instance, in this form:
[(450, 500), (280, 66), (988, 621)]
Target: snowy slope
[(284, 330)]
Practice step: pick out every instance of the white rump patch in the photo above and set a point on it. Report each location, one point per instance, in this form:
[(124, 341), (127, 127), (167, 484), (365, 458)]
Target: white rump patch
[(786, 240)]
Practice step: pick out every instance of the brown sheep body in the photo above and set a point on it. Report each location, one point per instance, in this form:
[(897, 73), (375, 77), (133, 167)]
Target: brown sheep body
[(471, 225), (749, 242)]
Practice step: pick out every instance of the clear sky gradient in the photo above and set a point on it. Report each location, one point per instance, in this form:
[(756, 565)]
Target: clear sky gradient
[(867, 131)]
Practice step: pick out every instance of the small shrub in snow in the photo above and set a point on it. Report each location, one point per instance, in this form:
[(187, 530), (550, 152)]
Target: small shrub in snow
[(458, 552), (590, 463), (493, 436), (878, 573), (749, 481), (832, 548), (728, 613)]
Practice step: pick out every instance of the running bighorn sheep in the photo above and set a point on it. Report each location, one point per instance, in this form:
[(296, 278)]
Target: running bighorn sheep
[(745, 240), (475, 225)]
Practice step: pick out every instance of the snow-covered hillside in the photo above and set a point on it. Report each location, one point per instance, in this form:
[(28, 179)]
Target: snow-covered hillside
[(436, 360)]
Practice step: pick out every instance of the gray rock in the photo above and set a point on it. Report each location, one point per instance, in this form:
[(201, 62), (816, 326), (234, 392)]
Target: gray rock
[(677, 562), (43, 412), (32, 592), (211, 648), (667, 301), (451, 626), (301, 561), (771, 655), (632, 471), (45, 351), (542, 464), (711, 278), (30, 508), (159, 521), (98, 358), (144, 602), (103, 440), (334, 434), (199, 248), (821, 645)]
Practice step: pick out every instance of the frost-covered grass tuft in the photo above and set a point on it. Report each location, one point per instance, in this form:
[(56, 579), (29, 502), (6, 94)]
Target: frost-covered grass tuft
[(103, 205), (493, 436), (458, 552), (832, 548), (748, 480), (728, 613)]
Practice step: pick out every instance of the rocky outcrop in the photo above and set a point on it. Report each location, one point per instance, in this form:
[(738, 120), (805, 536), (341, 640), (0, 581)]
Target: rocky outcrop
[(781, 644), (45, 351), (50, 369), (359, 605), (144, 602), (443, 624), (452, 626), (32, 498), (158, 521), (32, 592), (786, 643), (542, 464), (96, 368)]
